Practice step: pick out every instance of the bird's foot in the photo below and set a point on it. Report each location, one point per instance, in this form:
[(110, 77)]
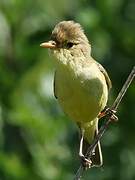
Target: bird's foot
[(86, 163), (109, 112)]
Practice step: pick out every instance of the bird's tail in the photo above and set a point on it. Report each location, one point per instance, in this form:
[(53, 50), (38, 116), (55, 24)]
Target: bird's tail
[(96, 158)]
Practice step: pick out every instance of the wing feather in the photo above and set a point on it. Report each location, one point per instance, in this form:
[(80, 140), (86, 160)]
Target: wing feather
[(108, 81)]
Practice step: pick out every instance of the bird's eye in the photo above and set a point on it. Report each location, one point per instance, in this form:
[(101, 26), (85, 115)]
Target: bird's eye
[(69, 44)]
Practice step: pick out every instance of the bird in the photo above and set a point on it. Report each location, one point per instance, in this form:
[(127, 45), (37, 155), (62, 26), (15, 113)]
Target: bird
[(81, 84)]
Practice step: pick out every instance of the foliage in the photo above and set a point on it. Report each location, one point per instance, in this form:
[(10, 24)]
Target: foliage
[(37, 141)]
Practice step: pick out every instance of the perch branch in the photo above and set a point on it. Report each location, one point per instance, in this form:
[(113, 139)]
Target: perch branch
[(104, 127)]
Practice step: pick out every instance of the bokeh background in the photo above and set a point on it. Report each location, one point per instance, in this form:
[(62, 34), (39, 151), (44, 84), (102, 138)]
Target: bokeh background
[(37, 141)]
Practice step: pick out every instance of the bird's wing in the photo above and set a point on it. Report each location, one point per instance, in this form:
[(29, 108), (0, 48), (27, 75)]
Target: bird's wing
[(108, 81), (54, 85)]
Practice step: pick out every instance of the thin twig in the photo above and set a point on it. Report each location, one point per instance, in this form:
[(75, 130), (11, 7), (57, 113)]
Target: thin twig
[(124, 89), (104, 127)]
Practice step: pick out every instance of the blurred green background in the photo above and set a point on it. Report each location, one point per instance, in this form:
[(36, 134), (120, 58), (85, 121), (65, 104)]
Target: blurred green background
[(37, 141)]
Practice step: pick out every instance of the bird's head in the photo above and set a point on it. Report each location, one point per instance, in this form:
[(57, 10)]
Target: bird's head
[(68, 40)]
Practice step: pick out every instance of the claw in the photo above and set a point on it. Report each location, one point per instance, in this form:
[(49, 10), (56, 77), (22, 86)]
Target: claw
[(110, 113), (86, 163)]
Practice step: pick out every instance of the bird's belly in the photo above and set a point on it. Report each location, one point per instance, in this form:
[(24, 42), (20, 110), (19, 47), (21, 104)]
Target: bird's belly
[(81, 100)]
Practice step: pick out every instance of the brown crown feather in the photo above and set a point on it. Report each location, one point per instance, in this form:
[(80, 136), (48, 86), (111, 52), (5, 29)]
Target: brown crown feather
[(68, 31)]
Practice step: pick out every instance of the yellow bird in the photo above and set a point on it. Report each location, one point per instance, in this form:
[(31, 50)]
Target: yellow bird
[(80, 84)]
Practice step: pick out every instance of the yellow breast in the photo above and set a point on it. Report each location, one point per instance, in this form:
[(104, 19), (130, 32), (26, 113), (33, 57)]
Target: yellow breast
[(81, 91)]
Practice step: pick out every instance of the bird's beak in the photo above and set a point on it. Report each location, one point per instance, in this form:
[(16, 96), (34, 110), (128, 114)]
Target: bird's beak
[(49, 44)]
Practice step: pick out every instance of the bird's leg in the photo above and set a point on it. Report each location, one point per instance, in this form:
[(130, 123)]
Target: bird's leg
[(108, 112), (85, 161), (102, 113)]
